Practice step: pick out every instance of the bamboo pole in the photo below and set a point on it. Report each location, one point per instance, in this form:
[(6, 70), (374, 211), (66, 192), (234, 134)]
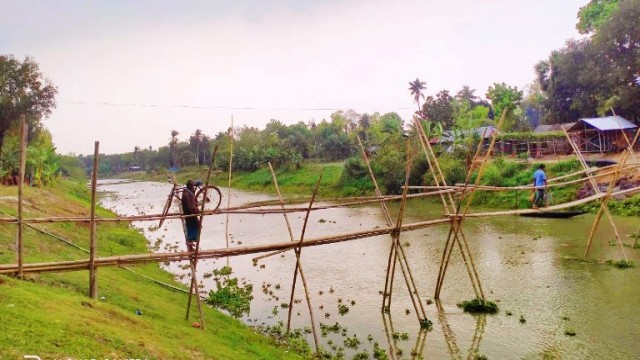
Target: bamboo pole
[(226, 226), (447, 332), (389, 326), (389, 279), (298, 251), (418, 308), (93, 247), (194, 260), (302, 277), (21, 170)]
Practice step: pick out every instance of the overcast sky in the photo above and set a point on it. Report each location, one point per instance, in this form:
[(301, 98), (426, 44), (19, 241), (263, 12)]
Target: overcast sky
[(188, 65)]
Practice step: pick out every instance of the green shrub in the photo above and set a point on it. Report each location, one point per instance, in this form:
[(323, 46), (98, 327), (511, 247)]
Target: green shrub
[(479, 306)]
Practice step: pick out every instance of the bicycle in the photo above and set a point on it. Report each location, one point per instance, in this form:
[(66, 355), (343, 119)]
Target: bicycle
[(211, 202)]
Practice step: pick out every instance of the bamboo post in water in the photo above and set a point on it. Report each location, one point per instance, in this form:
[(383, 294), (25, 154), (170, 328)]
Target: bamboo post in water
[(302, 277), (93, 249), (298, 251), (23, 160)]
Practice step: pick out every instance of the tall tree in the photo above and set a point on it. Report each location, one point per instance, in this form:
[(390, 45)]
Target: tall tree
[(416, 87), (173, 145), (23, 90), (439, 109), (594, 14), (505, 98)]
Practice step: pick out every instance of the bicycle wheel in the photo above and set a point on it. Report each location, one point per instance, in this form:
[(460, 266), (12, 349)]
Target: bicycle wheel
[(214, 198)]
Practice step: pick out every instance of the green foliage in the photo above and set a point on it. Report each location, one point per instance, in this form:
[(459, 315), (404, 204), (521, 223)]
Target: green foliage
[(594, 14), (505, 98), (343, 309), (229, 295), (426, 324), (479, 306), (23, 90), (453, 168)]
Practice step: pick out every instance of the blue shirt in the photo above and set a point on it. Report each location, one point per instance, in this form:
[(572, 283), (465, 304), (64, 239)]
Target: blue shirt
[(539, 178)]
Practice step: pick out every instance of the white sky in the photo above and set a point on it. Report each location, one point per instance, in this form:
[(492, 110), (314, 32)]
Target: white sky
[(276, 57)]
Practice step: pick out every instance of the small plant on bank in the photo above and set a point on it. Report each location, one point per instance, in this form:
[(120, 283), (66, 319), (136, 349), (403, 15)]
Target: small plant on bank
[(479, 306)]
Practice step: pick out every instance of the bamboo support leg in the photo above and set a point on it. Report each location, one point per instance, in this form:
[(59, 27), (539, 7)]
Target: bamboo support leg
[(298, 251), (21, 170), (93, 248), (302, 277)]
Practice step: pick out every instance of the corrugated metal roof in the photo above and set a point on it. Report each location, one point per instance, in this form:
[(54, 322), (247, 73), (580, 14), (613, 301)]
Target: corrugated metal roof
[(552, 127), (605, 123)]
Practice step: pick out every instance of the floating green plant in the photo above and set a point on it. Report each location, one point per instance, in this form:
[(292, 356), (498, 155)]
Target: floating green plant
[(621, 264), (343, 309), (379, 353), (479, 306), (352, 342), (570, 332), (508, 313), (522, 319), (426, 324)]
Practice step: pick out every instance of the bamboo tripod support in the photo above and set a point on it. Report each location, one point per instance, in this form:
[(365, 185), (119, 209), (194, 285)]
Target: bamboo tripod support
[(298, 251), (302, 277), (605, 199), (456, 224), (596, 189), (396, 246), (437, 173)]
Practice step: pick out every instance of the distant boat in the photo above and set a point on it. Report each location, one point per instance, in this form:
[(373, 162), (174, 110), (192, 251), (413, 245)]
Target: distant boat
[(554, 214)]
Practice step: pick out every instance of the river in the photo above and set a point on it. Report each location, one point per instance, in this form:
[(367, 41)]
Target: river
[(531, 267)]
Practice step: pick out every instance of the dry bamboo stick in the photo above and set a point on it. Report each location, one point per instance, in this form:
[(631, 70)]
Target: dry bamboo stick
[(226, 226), (404, 265), (93, 246), (386, 295), (218, 253), (424, 141), (302, 277), (555, 207), (23, 160), (298, 251)]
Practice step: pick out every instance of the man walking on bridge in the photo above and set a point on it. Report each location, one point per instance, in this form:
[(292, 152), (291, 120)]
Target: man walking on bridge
[(540, 182)]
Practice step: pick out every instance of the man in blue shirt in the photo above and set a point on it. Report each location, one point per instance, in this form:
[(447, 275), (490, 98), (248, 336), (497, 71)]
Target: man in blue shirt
[(540, 182)]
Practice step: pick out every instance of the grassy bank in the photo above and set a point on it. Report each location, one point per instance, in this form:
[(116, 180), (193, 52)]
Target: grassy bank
[(499, 172), (49, 315)]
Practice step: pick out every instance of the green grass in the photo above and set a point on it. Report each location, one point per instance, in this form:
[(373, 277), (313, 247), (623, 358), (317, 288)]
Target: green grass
[(50, 315)]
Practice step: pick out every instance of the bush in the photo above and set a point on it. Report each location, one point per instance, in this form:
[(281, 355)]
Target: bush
[(453, 168)]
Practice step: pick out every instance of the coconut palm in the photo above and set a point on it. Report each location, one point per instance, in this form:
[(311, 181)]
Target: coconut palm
[(416, 88)]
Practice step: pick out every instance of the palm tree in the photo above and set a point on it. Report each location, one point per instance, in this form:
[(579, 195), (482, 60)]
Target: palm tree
[(416, 88), (173, 145)]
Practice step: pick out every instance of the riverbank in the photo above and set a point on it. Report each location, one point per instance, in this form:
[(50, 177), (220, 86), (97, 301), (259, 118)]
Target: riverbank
[(499, 172), (50, 315)]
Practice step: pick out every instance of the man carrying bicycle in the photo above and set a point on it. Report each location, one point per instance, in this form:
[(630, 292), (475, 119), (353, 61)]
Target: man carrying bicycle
[(190, 207)]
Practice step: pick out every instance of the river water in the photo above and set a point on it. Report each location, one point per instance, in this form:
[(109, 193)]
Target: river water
[(531, 267)]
